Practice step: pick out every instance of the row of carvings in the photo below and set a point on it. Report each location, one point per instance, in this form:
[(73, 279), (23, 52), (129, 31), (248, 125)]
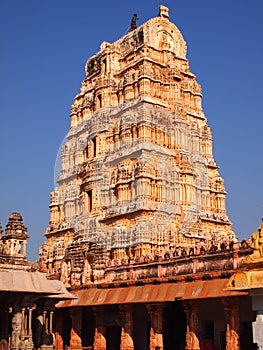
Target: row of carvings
[(84, 224), (131, 133), (88, 173), (150, 114), (134, 253), (10, 247), (89, 102), (148, 143), (177, 262), (167, 76), (86, 98), (178, 253), (151, 71), (91, 170)]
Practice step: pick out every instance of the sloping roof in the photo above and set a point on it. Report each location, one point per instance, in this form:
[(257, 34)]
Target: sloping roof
[(150, 293), (16, 281)]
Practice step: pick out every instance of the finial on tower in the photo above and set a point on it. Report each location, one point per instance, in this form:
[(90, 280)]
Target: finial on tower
[(133, 24), (163, 11)]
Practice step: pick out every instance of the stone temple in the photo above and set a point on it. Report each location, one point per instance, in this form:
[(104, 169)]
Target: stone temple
[(139, 251), (138, 178)]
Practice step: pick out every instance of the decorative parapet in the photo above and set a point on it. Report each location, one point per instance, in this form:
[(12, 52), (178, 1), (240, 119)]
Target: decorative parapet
[(89, 266)]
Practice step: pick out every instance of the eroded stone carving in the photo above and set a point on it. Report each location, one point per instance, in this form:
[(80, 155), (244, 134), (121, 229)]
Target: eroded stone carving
[(138, 180)]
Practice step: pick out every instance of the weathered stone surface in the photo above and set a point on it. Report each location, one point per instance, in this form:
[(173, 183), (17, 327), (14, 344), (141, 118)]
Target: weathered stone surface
[(138, 179)]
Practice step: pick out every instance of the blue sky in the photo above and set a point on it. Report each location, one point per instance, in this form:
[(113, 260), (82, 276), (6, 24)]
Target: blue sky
[(44, 46)]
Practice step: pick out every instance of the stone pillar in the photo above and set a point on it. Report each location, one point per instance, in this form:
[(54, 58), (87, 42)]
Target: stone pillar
[(26, 340), (155, 312), (23, 328), (51, 321), (45, 338), (24, 248), (191, 310), (127, 327), (30, 322), (100, 330), (232, 323), (16, 330), (45, 329)]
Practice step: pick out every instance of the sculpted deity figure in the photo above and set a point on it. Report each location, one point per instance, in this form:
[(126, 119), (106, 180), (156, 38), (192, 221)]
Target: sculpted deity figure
[(260, 240), (7, 248), (87, 272), (16, 330), (257, 242), (257, 245), (16, 247), (2, 246), (66, 273)]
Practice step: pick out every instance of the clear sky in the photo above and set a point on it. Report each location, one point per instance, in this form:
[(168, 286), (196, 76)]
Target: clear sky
[(44, 46)]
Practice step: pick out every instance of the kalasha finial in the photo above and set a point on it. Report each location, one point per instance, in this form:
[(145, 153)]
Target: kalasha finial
[(163, 11), (133, 22)]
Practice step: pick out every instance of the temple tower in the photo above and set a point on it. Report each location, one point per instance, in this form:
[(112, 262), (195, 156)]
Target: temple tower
[(138, 176), (13, 242)]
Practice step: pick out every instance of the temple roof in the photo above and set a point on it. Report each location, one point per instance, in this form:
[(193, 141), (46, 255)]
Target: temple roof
[(157, 33), (15, 227), (20, 281), (151, 293)]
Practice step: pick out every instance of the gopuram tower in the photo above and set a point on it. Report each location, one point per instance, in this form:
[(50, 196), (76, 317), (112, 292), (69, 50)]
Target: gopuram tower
[(138, 180)]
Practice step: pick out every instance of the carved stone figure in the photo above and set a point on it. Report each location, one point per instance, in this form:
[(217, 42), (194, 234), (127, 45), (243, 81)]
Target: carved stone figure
[(66, 273), (87, 272), (16, 330)]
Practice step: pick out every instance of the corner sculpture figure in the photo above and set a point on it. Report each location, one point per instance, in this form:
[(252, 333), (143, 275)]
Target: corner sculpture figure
[(257, 243)]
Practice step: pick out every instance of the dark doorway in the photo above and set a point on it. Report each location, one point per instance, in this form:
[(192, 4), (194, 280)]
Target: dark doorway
[(174, 326), (66, 328), (246, 336), (113, 338), (141, 327), (88, 327)]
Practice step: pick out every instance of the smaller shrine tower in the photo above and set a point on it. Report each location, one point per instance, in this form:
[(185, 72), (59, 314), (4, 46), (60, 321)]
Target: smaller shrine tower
[(13, 242)]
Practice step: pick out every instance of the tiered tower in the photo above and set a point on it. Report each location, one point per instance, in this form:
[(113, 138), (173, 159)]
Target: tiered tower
[(13, 242), (138, 177)]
